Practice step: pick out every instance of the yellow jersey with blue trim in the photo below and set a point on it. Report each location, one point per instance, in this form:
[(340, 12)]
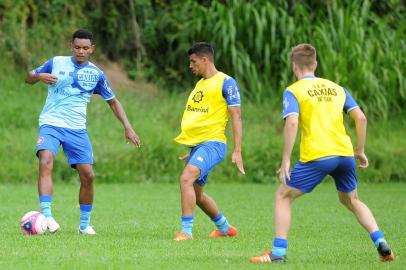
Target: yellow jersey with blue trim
[(206, 112), (320, 106)]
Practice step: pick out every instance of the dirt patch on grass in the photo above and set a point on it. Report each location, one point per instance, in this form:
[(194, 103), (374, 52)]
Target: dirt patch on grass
[(119, 79)]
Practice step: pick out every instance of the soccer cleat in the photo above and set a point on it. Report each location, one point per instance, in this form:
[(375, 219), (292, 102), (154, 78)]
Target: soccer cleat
[(385, 252), (52, 225), (88, 230), (181, 236), (232, 231), (268, 257)]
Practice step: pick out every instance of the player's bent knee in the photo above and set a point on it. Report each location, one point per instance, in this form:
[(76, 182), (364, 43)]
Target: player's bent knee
[(348, 201), (186, 180), (87, 179), (46, 162), (189, 175), (283, 192)]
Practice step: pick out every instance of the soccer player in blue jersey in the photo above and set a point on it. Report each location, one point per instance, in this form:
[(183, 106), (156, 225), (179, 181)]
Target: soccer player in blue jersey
[(71, 82), (214, 98), (317, 106)]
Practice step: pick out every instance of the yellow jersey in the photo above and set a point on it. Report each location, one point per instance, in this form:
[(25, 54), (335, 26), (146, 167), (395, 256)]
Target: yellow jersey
[(321, 104), (206, 112)]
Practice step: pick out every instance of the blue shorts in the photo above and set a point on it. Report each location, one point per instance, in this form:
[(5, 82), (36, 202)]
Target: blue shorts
[(75, 143), (306, 176), (206, 156)]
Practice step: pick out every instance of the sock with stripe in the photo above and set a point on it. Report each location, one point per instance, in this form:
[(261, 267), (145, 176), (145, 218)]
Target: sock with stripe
[(279, 247), (377, 237), (85, 212), (187, 224), (221, 223), (45, 204)]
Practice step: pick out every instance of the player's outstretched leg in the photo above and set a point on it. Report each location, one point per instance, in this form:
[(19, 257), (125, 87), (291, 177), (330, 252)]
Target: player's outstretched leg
[(284, 197), (85, 198), (209, 207), (45, 188), (223, 228), (367, 220)]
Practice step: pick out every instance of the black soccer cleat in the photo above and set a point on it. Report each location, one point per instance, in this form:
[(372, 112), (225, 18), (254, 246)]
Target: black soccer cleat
[(385, 252)]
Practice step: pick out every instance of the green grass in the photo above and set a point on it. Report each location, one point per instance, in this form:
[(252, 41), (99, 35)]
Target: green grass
[(136, 224), (156, 117)]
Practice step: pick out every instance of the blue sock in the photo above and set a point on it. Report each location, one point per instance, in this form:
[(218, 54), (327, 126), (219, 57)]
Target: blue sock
[(45, 204), (85, 212), (187, 224), (221, 223), (279, 247), (377, 237)]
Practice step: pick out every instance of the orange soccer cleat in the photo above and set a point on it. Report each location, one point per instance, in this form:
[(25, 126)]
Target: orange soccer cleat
[(181, 236), (232, 231), (267, 257)]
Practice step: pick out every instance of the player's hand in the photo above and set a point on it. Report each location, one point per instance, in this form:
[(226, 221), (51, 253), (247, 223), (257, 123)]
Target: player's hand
[(48, 78), (132, 137), (363, 160), (184, 157), (283, 172), (237, 160)]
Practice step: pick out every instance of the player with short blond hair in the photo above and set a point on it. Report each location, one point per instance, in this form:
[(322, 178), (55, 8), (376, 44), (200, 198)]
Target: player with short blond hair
[(317, 105)]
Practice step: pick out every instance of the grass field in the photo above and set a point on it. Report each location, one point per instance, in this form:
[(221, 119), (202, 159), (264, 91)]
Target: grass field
[(136, 224)]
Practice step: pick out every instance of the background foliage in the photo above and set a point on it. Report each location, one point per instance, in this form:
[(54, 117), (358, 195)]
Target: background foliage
[(361, 45)]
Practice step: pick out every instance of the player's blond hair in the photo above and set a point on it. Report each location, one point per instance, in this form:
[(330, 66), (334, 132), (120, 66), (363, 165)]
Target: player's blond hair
[(304, 56)]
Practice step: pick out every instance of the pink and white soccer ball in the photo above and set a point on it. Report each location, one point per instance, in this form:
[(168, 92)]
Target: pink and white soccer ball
[(33, 222)]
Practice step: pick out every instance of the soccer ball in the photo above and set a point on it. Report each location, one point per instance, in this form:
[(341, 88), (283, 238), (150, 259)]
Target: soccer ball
[(33, 222)]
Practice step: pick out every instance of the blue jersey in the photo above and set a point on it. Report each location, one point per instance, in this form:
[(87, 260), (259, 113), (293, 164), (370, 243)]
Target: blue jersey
[(67, 99)]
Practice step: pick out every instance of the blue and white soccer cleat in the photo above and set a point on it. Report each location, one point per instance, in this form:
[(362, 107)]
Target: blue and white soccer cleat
[(88, 230), (52, 225)]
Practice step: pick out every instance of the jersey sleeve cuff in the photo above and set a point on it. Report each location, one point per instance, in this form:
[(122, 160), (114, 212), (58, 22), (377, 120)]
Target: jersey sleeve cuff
[(352, 108), (288, 114), (109, 98)]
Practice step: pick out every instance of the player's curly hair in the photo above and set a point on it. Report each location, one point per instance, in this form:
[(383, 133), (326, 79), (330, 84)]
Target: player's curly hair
[(83, 34)]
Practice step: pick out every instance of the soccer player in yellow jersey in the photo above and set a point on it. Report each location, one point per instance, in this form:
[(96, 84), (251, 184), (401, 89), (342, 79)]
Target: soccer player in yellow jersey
[(317, 106), (204, 121)]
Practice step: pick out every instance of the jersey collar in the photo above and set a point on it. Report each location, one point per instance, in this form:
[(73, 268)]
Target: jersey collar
[(77, 64), (309, 77)]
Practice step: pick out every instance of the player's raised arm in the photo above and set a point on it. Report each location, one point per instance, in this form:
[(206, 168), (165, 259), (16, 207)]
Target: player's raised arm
[(235, 113), (118, 110)]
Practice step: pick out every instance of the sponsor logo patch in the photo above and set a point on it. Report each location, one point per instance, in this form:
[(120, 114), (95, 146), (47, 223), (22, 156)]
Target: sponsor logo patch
[(198, 96), (40, 140)]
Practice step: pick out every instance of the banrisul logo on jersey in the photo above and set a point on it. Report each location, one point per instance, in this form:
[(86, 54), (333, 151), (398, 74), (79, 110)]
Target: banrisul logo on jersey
[(86, 78)]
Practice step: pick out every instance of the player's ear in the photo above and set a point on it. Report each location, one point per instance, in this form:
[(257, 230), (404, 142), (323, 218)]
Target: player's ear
[(293, 66)]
